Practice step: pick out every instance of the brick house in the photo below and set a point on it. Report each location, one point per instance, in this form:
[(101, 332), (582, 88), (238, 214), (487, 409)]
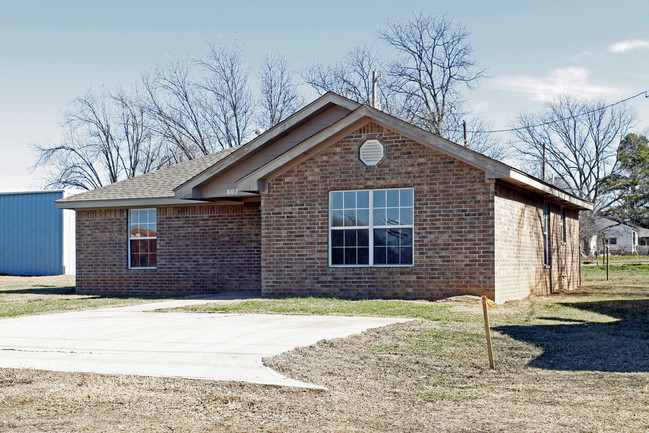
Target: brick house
[(339, 200)]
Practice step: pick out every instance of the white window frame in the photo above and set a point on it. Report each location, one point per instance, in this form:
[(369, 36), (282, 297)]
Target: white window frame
[(141, 238), (370, 229)]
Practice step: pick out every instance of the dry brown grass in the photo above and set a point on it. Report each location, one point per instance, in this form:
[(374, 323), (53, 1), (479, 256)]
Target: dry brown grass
[(46, 294), (574, 362), (379, 381)]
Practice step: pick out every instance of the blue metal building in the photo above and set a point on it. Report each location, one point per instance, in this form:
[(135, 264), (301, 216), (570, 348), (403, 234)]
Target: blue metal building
[(35, 235)]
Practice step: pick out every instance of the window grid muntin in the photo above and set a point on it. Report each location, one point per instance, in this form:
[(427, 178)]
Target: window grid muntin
[(142, 231), (371, 227)]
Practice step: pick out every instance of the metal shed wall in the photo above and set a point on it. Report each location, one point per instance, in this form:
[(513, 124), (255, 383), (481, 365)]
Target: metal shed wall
[(31, 233)]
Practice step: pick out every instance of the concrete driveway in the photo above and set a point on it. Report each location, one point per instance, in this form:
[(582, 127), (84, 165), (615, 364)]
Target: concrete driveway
[(135, 340)]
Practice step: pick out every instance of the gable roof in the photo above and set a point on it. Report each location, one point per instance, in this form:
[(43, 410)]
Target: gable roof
[(272, 136), (494, 170), (148, 189), (608, 221), (245, 170), (159, 187), (363, 115)]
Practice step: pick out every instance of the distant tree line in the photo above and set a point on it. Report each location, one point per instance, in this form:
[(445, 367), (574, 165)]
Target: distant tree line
[(185, 109), (193, 107)]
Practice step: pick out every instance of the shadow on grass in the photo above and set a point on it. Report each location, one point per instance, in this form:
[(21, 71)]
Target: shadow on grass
[(618, 346), (71, 290), (43, 290)]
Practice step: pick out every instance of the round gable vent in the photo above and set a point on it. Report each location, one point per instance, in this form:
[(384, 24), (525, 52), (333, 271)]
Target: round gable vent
[(371, 152)]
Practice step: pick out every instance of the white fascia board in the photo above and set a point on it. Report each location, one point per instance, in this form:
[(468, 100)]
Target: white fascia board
[(126, 203), (523, 179)]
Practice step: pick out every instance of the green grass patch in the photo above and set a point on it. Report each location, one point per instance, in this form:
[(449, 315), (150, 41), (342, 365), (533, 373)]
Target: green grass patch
[(626, 278)]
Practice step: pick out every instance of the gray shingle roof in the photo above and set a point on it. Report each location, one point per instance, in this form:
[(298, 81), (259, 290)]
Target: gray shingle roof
[(157, 184)]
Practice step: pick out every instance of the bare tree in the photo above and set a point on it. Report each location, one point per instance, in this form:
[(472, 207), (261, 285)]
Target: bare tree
[(279, 95), (479, 137), (177, 105), (436, 63), (89, 156), (228, 107), (580, 139), (352, 77), (587, 231), (141, 151), (106, 139), (70, 164)]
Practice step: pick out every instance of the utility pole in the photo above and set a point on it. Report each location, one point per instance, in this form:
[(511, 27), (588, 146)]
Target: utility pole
[(464, 127), (375, 97), (543, 164)]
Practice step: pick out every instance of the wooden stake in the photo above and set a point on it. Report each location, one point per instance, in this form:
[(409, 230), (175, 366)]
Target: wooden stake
[(486, 328)]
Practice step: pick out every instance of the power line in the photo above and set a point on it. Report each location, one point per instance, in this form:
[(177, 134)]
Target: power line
[(644, 92)]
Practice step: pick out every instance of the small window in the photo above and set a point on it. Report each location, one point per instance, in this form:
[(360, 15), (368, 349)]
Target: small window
[(371, 227), (142, 238), (612, 241)]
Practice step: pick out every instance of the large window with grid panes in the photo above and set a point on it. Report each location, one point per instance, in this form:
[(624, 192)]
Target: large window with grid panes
[(143, 238), (371, 227)]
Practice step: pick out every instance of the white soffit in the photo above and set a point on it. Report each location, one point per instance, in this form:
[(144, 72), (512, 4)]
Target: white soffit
[(371, 152)]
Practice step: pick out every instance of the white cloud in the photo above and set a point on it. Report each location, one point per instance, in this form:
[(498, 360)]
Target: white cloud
[(624, 46), (560, 80), (482, 106)]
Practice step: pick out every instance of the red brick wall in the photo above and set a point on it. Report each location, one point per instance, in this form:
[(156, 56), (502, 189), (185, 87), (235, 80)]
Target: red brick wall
[(201, 249), (520, 266), (453, 235)]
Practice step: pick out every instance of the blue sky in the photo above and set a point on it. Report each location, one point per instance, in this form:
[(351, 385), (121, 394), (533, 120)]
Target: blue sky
[(52, 52)]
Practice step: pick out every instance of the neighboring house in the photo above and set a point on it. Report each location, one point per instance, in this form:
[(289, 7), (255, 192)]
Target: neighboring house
[(36, 238), (622, 237), (340, 200), (643, 247)]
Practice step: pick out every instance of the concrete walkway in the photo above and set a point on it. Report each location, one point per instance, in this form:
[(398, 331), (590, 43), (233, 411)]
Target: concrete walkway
[(135, 340)]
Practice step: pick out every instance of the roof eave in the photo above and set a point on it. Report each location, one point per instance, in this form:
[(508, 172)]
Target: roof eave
[(530, 183), (124, 203)]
